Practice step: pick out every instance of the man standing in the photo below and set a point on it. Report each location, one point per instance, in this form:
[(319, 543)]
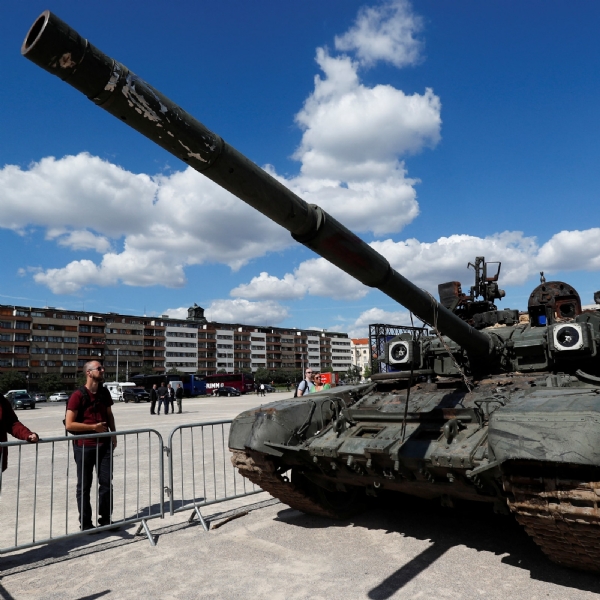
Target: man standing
[(89, 410), (9, 423), (306, 384), (171, 395), (163, 397), (179, 396), (153, 399)]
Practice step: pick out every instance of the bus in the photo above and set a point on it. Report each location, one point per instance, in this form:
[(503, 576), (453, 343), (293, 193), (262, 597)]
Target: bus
[(192, 384), (240, 381)]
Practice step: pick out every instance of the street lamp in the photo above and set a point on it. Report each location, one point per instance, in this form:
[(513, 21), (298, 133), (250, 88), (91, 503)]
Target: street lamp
[(117, 375)]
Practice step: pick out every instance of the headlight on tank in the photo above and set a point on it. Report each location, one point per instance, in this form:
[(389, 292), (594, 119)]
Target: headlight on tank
[(400, 352), (572, 337)]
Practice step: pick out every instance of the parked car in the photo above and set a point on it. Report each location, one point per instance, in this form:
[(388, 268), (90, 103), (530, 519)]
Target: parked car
[(11, 393), (22, 400), (136, 394), (40, 397), (227, 391), (269, 388), (59, 397)]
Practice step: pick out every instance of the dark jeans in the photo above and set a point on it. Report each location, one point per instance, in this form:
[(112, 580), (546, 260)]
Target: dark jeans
[(152, 406), (86, 459), (166, 401)]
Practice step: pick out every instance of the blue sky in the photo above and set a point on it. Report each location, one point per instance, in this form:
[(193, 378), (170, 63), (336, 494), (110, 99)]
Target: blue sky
[(437, 130)]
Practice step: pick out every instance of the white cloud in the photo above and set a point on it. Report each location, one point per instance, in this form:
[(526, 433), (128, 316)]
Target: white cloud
[(130, 267), (237, 311), (570, 250), (316, 277), (80, 240), (176, 313), (244, 311), (163, 223), (385, 32), (267, 286), (360, 327), (353, 138), (428, 264)]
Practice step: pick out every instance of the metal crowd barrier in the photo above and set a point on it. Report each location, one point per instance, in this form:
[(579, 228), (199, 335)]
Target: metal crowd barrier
[(200, 469), (38, 501)]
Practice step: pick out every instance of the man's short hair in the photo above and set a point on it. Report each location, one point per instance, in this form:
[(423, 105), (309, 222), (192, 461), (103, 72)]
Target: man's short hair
[(88, 365)]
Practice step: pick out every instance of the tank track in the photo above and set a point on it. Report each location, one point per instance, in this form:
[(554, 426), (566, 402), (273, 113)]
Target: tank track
[(561, 515), (261, 471)]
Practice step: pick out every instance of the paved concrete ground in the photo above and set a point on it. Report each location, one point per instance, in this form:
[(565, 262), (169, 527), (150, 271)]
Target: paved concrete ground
[(400, 548)]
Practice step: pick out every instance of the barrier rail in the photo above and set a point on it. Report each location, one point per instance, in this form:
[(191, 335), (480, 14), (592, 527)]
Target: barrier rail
[(38, 500), (41, 479), (203, 474)]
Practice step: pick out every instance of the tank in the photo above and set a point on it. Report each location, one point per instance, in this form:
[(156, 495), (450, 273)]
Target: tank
[(486, 405)]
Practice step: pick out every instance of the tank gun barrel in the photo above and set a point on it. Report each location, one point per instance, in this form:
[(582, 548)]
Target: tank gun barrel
[(57, 48)]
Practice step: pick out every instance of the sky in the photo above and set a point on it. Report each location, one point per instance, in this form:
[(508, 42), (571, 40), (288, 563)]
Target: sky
[(437, 131)]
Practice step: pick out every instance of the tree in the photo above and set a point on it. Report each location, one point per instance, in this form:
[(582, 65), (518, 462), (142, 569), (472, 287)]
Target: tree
[(12, 380), (353, 373), (261, 375), (81, 379), (220, 371), (50, 383), (367, 372), (147, 369), (175, 371)]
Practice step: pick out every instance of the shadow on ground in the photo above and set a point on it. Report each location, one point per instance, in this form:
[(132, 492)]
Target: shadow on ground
[(469, 524)]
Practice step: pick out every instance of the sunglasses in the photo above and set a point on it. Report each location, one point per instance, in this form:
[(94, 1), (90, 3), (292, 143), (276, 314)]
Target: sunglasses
[(97, 369)]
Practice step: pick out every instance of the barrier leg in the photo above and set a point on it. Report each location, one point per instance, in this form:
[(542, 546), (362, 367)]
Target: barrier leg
[(144, 526), (196, 513)]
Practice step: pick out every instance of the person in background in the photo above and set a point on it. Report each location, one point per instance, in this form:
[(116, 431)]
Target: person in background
[(163, 397), (319, 387), (153, 399), (179, 397), (304, 387), (89, 410), (171, 394), (9, 423)]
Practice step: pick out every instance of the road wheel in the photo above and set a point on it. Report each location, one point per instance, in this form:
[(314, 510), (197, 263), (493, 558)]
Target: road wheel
[(229, 394), (341, 504)]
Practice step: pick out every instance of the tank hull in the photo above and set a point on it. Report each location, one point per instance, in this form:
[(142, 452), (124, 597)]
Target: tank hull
[(515, 442)]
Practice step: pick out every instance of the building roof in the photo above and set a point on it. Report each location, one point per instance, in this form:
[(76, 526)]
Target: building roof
[(360, 341)]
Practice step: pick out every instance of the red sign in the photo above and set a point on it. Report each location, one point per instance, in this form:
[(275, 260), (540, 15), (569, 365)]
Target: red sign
[(331, 378)]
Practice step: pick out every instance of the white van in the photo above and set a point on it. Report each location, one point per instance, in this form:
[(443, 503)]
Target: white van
[(116, 389)]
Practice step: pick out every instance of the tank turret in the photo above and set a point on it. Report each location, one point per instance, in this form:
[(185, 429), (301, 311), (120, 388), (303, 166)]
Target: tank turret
[(493, 406)]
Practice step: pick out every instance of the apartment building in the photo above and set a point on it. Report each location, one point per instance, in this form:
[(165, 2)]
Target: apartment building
[(39, 341), (181, 346), (360, 353)]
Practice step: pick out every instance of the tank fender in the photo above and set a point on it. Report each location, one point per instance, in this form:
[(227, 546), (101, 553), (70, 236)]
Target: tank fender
[(558, 428), (286, 422)]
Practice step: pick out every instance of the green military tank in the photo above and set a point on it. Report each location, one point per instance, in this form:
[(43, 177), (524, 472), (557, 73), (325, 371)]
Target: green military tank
[(486, 406)]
